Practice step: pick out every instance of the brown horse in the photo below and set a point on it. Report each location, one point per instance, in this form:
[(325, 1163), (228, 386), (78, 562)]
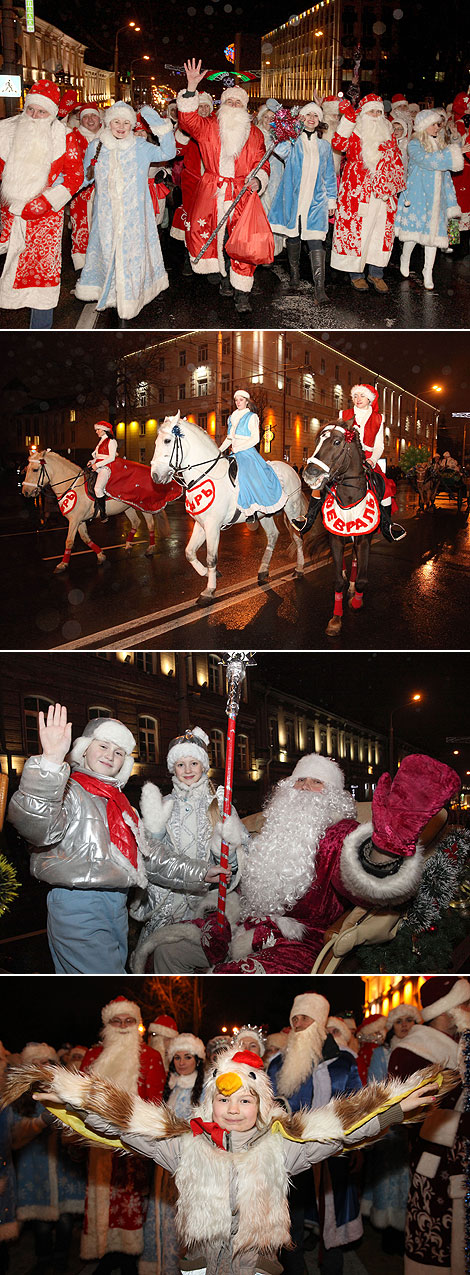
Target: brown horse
[(68, 482), (350, 510)]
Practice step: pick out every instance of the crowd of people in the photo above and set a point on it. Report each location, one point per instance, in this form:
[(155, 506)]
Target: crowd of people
[(294, 868), (358, 177), (307, 1084)]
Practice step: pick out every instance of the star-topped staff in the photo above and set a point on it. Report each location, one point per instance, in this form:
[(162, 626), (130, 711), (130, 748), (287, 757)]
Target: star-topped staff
[(236, 663)]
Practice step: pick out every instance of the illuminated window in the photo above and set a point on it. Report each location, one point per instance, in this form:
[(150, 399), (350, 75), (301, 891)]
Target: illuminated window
[(202, 388), (141, 394), (148, 739), (32, 706)]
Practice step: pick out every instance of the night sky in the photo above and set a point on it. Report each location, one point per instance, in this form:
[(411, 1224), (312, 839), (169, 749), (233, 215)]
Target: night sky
[(417, 360), (59, 1009)]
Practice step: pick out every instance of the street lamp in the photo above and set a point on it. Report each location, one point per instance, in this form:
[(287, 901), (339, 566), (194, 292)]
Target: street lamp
[(135, 28), (145, 58), (415, 699)]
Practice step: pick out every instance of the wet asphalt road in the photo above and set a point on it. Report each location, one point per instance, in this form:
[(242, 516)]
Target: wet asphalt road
[(417, 597), (195, 302)]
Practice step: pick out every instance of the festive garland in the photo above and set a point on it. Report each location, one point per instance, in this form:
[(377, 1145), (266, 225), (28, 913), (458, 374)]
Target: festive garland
[(430, 930), (9, 884)]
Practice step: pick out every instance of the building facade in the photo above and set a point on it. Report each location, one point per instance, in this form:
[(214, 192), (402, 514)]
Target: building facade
[(47, 52), (314, 50), (386, 992)]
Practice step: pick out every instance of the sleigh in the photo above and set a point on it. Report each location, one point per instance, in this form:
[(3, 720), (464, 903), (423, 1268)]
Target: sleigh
[(131, 482)]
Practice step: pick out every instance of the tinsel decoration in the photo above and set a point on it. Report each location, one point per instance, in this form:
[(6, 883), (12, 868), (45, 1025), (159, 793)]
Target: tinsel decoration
[(286, 124), (9, 885), (466, 1084)]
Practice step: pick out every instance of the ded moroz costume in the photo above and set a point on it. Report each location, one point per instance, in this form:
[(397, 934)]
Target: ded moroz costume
[(461, 113), (371, 180), (369, 422)]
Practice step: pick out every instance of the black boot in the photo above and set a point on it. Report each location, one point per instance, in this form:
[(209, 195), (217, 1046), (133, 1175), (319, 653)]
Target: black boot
[(225, 288), (187, 267), (317, 266), (302, 525), (293, 257), (391, 531), (242, 304), (100, 508)]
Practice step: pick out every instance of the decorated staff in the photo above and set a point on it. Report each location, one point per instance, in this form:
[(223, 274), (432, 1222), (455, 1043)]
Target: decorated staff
[(237, 663), (284, 127)]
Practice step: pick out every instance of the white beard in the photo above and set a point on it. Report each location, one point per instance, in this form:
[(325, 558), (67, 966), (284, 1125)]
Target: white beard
[(234, 127), (303, 1053), (372, 134), (120, 1057), (26, 170), (281, 866)]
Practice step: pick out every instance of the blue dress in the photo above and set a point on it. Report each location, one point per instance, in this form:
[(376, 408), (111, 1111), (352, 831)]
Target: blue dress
[(429, 199), (259, 488), (286, 208), (387, 1176)]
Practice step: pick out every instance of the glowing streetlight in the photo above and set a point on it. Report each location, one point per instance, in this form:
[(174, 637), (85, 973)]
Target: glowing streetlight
[(438, 388), (415, 698), (135, 29)]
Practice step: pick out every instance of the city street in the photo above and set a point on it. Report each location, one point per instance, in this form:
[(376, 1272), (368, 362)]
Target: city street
[(415, 599), (194, 301)]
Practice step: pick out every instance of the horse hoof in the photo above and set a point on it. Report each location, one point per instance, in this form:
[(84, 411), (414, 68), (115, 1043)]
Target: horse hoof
[(150, 551), (351, 590), (206, 596), (333, 628), (263, 577), (61, 566), (298, 575)]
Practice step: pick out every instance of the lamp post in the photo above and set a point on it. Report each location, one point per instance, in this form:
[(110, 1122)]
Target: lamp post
[(134, 27), (144, 58), (415, 699)]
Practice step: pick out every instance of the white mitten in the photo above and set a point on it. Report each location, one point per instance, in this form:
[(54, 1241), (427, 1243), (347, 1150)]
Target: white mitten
[(156, 810)]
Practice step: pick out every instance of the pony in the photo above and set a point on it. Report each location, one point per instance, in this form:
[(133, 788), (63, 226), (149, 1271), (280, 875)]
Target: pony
[(68, 482), (350, 510), (187, 453)]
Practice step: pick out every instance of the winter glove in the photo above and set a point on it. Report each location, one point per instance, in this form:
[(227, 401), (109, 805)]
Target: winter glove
[(36, 208), (347, 110), (233, 832), (156, 810), (401, 808)]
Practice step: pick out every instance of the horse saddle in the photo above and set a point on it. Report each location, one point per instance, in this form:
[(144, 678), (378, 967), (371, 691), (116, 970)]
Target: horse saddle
[(375, 481)]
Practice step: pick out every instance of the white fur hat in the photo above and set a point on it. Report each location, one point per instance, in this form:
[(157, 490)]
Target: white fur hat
[(404, 1011), (250, 1033), (38, 1052), (365, 389), (314, 766), (192, 743), (120, 1006), (424, 118), (250, 1071), (311, 107), (110, 730), (344, 1026), (206, 99), (314, 1006), (246, 393), (442, 995), (188, 1044), (234, 90), (121, 111)]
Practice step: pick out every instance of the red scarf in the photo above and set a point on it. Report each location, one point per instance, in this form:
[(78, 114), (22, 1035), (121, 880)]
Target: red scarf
[(116, 806), (208, 1126)]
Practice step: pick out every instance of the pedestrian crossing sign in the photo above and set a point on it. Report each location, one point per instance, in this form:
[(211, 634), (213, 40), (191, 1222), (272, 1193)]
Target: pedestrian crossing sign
[(10, 86)]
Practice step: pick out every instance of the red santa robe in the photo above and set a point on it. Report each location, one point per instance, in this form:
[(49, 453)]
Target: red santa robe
[(290, 944), (367, 203), (118, 1186), (81, 205), (188, 151), (222, 181), (462, 180), (371, 433), (31, 234)]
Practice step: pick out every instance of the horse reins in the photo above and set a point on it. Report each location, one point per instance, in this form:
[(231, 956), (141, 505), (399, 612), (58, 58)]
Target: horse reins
[(179, 469), (44, 474)]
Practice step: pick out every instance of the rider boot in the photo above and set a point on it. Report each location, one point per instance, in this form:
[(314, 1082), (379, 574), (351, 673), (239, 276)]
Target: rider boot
[(100, 508), (302, 525), (293, 257), (317, 266), (390, 530)]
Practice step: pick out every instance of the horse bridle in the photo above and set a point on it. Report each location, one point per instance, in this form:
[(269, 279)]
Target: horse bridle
[(179, 469), (43, 476), (333, 478)]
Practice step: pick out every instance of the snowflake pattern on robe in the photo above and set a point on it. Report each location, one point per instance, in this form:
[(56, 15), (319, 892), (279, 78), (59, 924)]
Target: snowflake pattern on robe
[(34, 252), (357, 187)]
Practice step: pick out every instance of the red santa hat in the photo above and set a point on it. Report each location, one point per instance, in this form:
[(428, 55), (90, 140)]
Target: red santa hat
[(234, 90), (399, 100), (45, 94), (314, 1006), (403, 1011), (192, 743), (120, 1006), (371, 1025), (236, 1070), (461, 105), (104, 425), (164, 1025), (314, 766), (371, 103), (188, 1044), (88, 108), (331, 100), (111, 731), (371, 393), (442, 995)]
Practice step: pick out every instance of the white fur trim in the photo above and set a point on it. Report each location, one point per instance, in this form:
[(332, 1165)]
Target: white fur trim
[(314, 766), (111, 731), (119, 111), (322, 1125), (402, 1011), (457, 157), (242, 943), (459, 993), (187, 104), (241, 282), (57, 196), (310, 108), (44, 102), (120, 1006), (367, 888), (39, 1052), (160, 129), (289, 928), (314, 1006), (235, 90), (370, 394), (70, 1086), (345, 127), (187, 1042)]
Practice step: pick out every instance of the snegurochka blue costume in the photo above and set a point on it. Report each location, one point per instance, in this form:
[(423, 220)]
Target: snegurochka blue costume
[(259, 488)]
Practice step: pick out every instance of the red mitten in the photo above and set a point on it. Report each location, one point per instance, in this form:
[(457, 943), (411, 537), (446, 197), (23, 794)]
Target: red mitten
[(265, 934), (36, 208), (215, 940), (346, 108), (402, 808)]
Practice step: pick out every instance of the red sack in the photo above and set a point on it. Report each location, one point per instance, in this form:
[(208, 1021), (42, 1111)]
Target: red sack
[(251, 238)]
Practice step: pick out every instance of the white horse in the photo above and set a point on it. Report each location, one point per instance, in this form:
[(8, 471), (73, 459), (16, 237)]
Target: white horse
[(185, 452), (68, 482)]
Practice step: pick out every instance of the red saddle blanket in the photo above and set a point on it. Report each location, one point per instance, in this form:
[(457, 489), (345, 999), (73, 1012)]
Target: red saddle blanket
[(355, 520), (132, 482)]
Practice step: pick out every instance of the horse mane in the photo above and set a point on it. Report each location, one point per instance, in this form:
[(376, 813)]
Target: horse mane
[(191, 426)]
